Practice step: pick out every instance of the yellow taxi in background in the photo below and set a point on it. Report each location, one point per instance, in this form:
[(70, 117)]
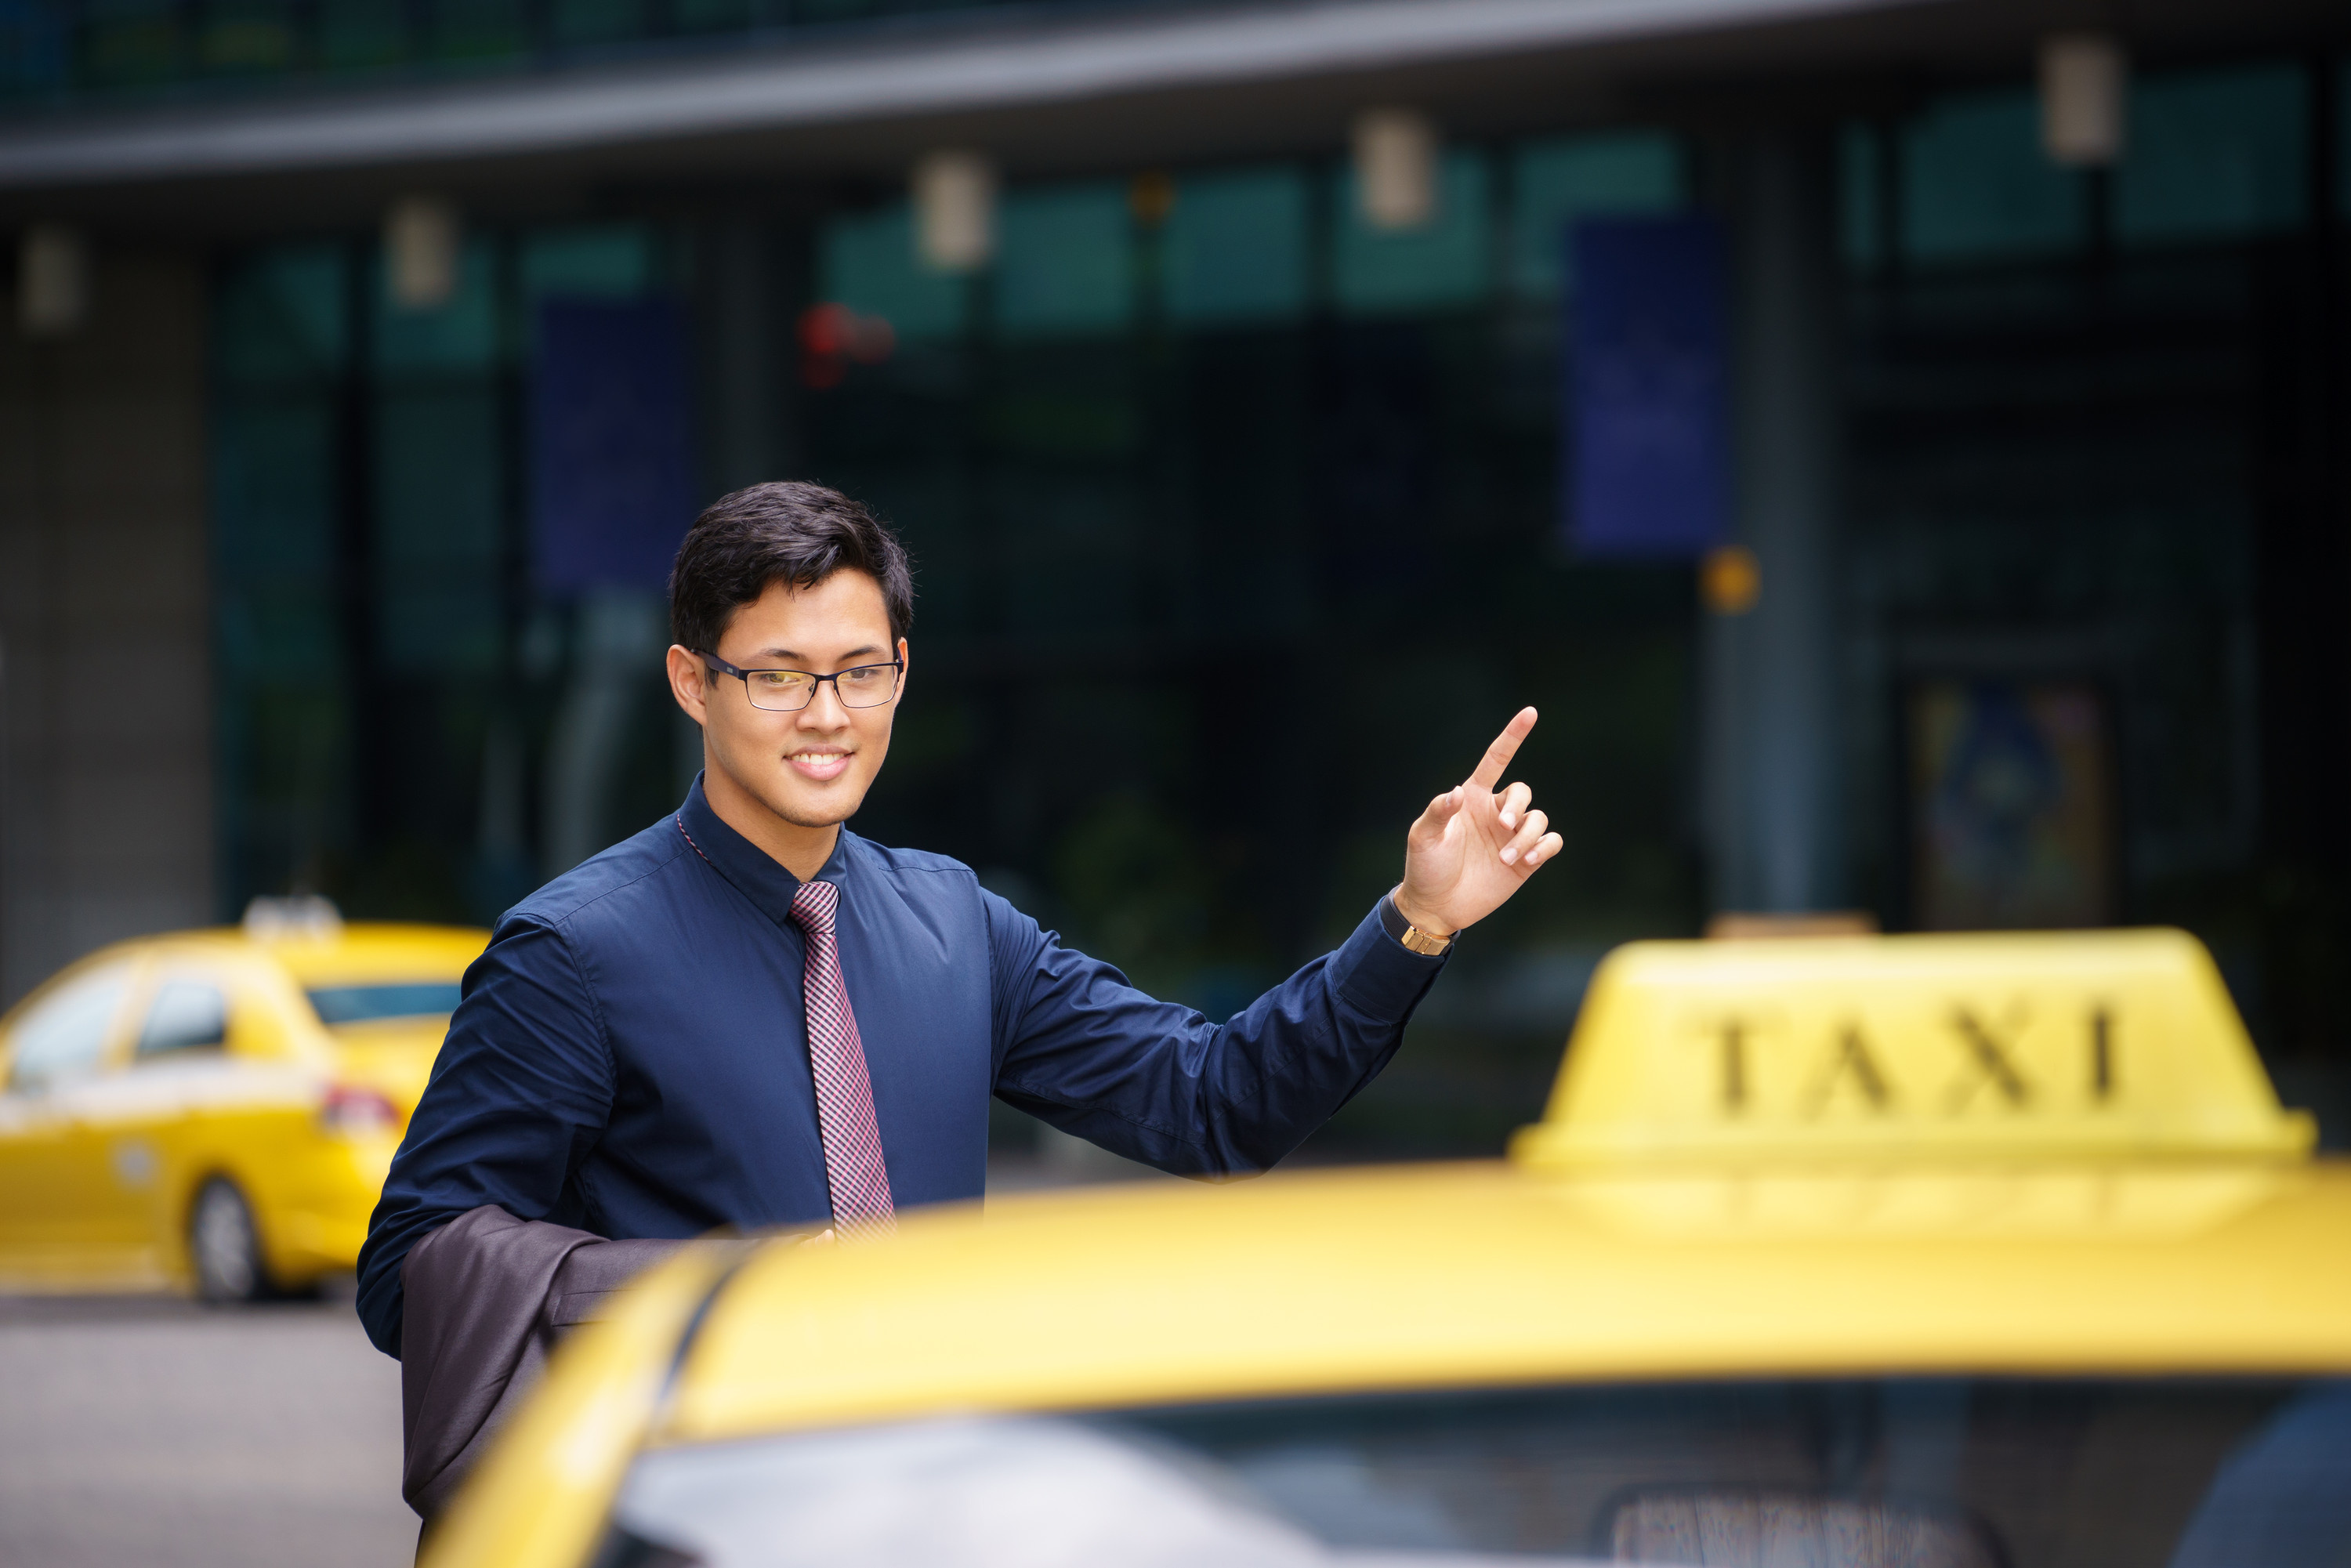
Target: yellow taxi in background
[(216, 1109), (1870, 1252)]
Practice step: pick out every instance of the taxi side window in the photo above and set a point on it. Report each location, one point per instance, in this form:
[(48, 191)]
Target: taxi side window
[(186, 1014), (63, 1036)]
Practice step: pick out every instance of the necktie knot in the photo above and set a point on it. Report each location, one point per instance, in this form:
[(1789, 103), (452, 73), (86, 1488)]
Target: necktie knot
[(813, 906)]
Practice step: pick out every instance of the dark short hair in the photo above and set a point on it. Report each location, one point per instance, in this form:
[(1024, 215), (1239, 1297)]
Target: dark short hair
[(783, 531)]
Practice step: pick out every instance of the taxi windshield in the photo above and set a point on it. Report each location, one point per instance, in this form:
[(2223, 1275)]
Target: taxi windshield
[(368, 1004), (1891, 1473)]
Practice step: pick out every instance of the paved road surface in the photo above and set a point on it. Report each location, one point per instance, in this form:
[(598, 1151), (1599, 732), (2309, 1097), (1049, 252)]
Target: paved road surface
[(143, 1433)]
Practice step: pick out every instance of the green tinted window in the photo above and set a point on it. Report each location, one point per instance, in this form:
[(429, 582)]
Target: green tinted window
[(283, 315), (1861, 187), (1977, 185), (2214, 156), (1448, 262), (126, 42), (479, 29), (32, 49), (245, 37), (1557, 183), (608, 261), (867, 262), (461, 335), (595, 21), (439, 534), (363, 32), (1066, 267), (1236, 247), (273, 475)]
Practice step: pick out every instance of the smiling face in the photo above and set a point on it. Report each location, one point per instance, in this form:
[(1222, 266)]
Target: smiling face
[(787, 780)]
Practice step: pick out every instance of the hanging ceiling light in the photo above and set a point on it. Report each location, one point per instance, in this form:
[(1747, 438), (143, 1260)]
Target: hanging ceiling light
[(2082, 78), (1396, 168), (420, 252), (955, 210), (52, 281)]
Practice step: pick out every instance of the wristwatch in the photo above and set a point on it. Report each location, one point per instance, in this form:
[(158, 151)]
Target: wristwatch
[(1413, 938)]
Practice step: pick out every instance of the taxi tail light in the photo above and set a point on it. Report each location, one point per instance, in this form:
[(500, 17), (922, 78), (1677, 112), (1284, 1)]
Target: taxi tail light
[(351, 1109)]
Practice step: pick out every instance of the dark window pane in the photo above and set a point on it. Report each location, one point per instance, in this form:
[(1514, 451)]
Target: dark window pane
[(1977, 185), (186, 1014), (1447, 262), (354, 33), (364, 1004), (2216, 155), (1862, 1474), (129, 42)]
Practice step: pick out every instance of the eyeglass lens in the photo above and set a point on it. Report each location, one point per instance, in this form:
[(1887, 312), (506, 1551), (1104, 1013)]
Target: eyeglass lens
[(867, 685)]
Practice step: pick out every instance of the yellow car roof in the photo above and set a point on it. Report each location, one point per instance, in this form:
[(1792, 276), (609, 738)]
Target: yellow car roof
[(348, 955), (1411, 1278)]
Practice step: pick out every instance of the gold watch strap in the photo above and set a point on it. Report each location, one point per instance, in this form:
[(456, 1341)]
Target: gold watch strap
[(1416, 940)]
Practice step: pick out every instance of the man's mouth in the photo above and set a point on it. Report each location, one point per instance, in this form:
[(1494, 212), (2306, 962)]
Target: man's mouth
[(819, 764)]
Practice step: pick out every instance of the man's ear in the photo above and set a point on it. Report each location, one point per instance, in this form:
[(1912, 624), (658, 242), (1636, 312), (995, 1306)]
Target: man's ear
[(687, 682)]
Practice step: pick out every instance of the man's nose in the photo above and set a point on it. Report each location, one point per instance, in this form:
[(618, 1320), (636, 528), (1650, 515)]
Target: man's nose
[(825, 709)]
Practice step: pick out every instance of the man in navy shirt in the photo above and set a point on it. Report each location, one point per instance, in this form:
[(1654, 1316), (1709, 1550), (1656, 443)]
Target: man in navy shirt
[(748, 1016)]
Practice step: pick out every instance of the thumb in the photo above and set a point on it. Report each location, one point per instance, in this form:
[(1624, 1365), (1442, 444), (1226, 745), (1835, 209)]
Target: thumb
[(1441, 810)]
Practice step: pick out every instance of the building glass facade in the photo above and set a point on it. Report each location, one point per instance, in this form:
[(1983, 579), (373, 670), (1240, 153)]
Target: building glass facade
[(1238, 533)]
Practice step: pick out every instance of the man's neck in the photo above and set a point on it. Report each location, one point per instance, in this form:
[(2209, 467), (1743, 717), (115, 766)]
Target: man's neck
[(799, 850)]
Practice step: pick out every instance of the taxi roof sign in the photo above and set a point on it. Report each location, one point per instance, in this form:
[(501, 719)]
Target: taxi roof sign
[(2120, 1044)]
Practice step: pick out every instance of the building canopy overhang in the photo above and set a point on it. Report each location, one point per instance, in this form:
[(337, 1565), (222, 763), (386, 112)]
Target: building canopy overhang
[(1101, 88)]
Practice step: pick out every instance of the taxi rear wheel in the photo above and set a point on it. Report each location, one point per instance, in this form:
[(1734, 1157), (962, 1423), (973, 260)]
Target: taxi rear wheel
[(225, 1245)]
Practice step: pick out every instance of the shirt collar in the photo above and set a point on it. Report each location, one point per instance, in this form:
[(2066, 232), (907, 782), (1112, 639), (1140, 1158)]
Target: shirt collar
[(751, 868)]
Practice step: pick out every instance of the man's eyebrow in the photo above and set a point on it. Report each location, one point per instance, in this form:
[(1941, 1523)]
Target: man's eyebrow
[(788, 653)]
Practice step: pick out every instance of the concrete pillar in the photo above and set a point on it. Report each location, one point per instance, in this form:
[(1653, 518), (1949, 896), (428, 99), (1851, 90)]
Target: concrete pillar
[(1773, 743), (106, 769)]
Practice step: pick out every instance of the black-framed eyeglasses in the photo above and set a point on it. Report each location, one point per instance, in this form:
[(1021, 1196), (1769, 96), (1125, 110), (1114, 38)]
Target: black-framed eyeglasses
[(789, 690)]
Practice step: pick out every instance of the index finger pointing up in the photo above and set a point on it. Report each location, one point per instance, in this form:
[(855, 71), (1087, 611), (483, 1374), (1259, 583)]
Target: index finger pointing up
[(1497, 756)]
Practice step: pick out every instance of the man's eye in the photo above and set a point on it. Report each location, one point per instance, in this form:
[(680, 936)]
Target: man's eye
[(780, 680), (866, 674)]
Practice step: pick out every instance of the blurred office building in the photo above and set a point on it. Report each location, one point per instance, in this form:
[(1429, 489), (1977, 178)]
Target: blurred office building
[(1901, 449)]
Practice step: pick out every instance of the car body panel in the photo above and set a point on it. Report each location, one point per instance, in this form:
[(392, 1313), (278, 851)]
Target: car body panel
[(1411, 1278), (1655, 1229)]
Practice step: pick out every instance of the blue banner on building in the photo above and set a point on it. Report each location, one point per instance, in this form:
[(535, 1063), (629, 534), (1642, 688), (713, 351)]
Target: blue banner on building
[(612, 449), (1648, 425)]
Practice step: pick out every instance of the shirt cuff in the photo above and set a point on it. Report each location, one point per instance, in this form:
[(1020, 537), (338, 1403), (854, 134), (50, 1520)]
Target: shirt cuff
[(1392, 919), (1378, 973)]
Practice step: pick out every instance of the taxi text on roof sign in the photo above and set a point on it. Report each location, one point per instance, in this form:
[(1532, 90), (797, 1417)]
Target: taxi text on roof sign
[(2117, 1044)]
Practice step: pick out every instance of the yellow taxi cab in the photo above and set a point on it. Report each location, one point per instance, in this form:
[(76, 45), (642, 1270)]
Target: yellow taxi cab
[(216, 1109), (1873, 1252)]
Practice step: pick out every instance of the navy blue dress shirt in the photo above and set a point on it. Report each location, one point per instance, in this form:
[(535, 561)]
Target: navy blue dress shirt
[(629, 1057)]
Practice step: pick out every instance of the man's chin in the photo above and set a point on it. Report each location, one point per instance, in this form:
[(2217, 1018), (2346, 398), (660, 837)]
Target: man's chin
[(822, 811)]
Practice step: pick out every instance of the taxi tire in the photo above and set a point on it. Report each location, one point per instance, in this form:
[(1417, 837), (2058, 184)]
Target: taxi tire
[(224, 1246)]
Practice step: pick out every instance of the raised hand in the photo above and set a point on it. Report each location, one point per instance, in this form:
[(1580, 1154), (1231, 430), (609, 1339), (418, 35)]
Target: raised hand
[(1475, 846)]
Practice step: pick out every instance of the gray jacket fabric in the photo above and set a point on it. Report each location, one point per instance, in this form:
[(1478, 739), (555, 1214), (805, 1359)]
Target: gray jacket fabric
[(488, 1295)]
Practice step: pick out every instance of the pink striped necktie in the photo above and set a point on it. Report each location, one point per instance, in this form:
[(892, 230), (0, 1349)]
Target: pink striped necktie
[(844, 1096)]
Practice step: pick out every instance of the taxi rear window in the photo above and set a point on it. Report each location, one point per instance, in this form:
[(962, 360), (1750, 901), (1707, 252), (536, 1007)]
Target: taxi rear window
[(1893, 1473), (367, 1004)]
